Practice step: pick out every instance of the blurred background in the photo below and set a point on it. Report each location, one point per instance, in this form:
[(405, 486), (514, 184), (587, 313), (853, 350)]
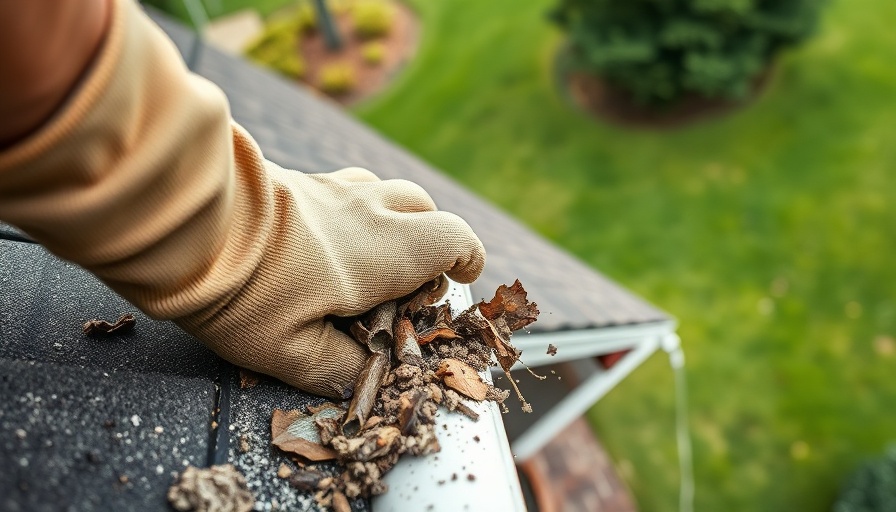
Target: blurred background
[(728, 160)]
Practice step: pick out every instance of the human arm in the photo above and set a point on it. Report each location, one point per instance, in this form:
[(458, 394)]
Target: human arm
[(142, 178)]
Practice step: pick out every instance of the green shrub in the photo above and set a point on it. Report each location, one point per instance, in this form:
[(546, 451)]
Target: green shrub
[(278, 48), (372, 18), (337, 79), (872, 488), (373, 53), (661, 49), (306, 17)]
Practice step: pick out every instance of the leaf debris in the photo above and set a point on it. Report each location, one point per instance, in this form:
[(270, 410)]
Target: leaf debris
[(100, 328), (437, 361)]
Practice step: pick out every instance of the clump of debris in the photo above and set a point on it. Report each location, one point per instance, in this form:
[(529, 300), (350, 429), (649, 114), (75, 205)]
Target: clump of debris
[(215, 489), (421, 357)]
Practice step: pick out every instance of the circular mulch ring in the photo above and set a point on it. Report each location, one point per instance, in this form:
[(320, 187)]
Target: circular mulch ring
[(400, 46), (614, 105)]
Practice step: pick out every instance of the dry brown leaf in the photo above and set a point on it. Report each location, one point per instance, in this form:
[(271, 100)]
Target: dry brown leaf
[(438, 333), (510, 303), (462, 378), (297, 433), (552, 350), (428, 293), (367, 388), (124, 324), (491, 335), (434, 322)]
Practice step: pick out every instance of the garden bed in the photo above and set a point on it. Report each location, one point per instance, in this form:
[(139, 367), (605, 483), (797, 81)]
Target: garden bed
[(378, 37)]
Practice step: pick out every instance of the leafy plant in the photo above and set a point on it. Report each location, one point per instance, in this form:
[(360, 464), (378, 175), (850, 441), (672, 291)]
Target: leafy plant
[(373, 53), (372, 18), (306, 16), (660, 50), (872, 488), (278, 48), (337, 78)]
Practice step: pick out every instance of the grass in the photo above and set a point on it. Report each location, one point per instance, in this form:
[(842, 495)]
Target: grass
[(770, 234)]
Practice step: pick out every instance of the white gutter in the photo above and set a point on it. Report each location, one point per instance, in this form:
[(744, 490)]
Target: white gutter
[(442, 481), (642, 341), (583, 343)]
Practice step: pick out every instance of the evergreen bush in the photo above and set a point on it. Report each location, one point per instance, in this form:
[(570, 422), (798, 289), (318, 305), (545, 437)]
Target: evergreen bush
[(872, 488), (659, 50)]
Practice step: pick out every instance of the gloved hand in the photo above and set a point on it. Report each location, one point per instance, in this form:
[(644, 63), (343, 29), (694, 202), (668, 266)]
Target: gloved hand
[(342, 243), (143, 179)]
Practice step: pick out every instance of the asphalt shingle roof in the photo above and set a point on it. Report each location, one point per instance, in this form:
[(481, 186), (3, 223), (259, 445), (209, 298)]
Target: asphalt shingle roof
[(105, 423)]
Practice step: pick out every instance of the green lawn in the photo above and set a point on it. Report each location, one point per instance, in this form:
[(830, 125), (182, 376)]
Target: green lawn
[(769, 234)]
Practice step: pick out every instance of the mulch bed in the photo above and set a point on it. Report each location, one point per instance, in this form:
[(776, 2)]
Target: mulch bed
[(595, 96), (400, 46)]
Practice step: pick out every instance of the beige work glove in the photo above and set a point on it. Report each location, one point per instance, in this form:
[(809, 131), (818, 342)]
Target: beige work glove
[(143, 179)]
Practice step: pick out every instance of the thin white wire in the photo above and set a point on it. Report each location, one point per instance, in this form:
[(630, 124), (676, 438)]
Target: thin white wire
[(682, 434)]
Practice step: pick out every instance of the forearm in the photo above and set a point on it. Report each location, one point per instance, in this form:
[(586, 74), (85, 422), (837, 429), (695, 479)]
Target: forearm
[(134, 172), (45, 47)]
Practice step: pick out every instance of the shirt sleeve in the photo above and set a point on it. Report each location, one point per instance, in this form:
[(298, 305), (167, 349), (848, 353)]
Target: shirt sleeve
[(142, 177)]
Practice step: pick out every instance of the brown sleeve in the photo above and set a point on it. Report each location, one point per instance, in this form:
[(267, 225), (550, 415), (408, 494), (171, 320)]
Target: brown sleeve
[(136, 170)]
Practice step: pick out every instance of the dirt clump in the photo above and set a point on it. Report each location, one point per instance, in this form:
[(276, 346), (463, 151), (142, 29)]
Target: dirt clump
[(215, 489)]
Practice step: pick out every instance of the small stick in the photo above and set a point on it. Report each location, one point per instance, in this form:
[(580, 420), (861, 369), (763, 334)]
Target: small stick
[(407, 350)]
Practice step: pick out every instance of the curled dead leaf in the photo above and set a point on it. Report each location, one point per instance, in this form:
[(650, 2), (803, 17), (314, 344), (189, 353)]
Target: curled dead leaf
[(511, 304), (433, 323), (428, 293), (375, 331), (96, 328), (367, 388)]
